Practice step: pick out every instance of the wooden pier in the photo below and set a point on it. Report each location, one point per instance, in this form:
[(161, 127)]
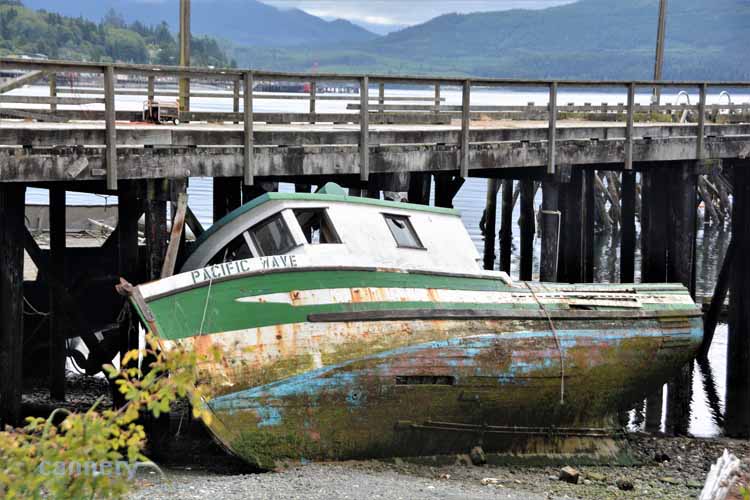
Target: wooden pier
[(82, 141)]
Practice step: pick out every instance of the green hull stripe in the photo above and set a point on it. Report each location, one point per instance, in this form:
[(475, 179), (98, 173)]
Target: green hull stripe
[(182, 315)]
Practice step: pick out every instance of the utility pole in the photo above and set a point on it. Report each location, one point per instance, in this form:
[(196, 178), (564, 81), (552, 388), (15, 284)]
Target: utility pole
[(184, 53), (659, 63)]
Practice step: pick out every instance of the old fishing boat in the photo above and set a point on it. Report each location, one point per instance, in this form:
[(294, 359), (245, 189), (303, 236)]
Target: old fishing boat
[(355, 328)]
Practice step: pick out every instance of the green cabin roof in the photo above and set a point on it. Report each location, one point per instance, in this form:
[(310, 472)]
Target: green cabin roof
[(329, 192)]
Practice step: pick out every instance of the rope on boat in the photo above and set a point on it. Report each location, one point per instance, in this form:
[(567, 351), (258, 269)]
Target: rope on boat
[(557, 342), (205, 306)]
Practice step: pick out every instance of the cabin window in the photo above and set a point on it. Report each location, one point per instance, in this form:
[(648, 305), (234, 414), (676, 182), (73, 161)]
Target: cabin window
[(316, 225), (402, 231), (272, 236), (237, 249)]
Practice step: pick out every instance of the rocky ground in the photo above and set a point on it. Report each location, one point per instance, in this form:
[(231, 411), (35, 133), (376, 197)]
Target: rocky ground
[(671, 468)]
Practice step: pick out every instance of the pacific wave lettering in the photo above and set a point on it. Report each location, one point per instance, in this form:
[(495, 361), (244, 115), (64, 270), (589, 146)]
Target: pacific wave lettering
[(225, 269)]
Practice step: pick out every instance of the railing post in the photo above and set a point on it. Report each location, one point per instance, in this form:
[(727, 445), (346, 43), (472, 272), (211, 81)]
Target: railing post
[(111, 132), (249, 158), (629, 128), (465, 121), (381, 101), (552, 142), (437, 98), (236, 98), (313, 95), (53, 91), (364, 125), (151, 88), (700, 153)]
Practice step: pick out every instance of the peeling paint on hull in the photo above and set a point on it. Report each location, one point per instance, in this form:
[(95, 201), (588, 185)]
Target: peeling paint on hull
[(305, 390), (381, 405)]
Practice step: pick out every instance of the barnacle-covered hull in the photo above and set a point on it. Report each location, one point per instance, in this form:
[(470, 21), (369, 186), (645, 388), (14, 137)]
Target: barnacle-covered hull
[(342, 363)]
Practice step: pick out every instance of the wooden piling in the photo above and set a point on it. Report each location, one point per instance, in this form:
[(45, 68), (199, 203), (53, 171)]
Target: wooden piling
[(227, 195), (654, 406), (506, 226), (420, 185), (128, 212), (589, 230), (628, 236), (489, 223), (155, 226), (576, 229), (528, 224), (446, 187), (737, 417), (57, 321), (12, 204), (668, 255), (551, 223)]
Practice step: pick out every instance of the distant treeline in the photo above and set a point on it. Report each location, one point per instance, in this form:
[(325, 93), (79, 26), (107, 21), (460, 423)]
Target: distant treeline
[(40, 33)]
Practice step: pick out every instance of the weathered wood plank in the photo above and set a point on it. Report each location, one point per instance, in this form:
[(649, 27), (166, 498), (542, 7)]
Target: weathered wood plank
[(178, 224), (12, 202), (110, 127)]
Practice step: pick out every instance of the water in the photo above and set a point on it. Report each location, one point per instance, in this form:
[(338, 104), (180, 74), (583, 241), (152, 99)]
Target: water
[(470, 202)]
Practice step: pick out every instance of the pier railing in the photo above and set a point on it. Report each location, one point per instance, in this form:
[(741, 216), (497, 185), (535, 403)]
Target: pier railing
[(94, 84)]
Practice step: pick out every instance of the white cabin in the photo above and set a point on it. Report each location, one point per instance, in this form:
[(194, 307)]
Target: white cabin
[(331, 228)]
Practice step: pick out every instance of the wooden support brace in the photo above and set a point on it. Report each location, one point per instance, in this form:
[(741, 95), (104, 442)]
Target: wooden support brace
[(178, 224)]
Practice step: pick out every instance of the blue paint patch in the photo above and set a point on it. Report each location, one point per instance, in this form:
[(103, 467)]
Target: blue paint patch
[(269, 416), (333, 380)]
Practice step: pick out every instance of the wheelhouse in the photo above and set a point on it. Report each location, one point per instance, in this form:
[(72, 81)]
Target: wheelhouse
[(331, 228)]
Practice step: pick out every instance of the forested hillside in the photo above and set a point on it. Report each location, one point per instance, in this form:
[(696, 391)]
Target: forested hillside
[(28, 32)]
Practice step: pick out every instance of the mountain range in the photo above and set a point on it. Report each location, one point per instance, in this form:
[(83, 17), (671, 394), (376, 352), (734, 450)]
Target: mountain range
[(586, 39), (242, 22)]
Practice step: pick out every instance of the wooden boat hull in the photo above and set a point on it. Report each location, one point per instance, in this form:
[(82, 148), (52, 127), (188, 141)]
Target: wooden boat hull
[(359, 371)]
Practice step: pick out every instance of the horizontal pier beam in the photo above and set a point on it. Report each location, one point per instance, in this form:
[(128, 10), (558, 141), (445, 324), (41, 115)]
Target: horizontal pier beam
[(30, 134), (86, 163)]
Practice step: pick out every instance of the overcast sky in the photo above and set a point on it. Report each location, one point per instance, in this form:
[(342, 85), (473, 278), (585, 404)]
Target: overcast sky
[(385, 15)]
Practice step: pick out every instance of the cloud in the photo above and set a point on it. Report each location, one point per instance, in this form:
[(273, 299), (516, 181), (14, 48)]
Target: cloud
[(405, 12)]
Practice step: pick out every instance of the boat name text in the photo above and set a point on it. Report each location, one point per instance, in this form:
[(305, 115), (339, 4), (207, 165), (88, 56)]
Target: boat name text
[(231, 268)]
